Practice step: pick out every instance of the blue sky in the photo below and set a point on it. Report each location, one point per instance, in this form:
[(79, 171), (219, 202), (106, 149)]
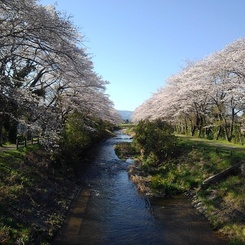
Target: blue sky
[(137, 44)]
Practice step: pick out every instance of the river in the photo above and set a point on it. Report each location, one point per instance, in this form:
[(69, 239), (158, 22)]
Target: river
[(109, 210)]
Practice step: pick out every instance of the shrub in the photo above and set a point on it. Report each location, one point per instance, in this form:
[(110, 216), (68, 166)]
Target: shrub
[(155, 139)]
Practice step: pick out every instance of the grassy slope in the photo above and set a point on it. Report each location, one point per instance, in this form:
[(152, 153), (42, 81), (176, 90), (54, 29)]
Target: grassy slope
[(222, 203), (33, 196)]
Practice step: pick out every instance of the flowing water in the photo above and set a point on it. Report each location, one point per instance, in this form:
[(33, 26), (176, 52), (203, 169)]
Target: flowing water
[(110, 211)]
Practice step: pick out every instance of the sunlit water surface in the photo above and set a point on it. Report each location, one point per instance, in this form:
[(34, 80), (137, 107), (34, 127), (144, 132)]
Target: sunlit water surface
[(110, 211)]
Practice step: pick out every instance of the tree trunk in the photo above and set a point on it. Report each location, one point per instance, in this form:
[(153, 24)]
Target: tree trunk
[(1, 128), (231, 128), (219, 133), (193, 129)]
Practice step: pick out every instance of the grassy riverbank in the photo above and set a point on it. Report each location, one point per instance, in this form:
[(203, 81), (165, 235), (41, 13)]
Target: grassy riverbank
[(37, 185), (34, 196), (223, 203)]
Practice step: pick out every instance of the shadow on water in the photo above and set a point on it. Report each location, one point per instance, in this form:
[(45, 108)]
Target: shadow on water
[(109, 210)]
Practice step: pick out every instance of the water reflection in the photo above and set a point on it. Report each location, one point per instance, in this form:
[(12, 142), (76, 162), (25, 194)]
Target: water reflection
[(110, 211)]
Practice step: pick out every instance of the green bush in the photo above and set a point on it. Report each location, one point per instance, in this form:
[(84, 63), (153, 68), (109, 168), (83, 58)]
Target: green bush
[(155, 140), (75, 134)]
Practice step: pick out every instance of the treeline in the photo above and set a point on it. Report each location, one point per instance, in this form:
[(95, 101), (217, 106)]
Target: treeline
[(47, 80), (206, 98)]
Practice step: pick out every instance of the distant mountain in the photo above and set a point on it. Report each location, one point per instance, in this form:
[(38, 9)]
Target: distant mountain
[(125, 115)]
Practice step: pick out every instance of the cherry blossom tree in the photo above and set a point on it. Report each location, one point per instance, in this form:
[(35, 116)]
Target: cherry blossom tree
[(205, 97), (45, 72)]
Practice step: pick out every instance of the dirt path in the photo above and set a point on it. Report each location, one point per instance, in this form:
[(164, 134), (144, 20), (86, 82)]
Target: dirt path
[(214, 143)]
